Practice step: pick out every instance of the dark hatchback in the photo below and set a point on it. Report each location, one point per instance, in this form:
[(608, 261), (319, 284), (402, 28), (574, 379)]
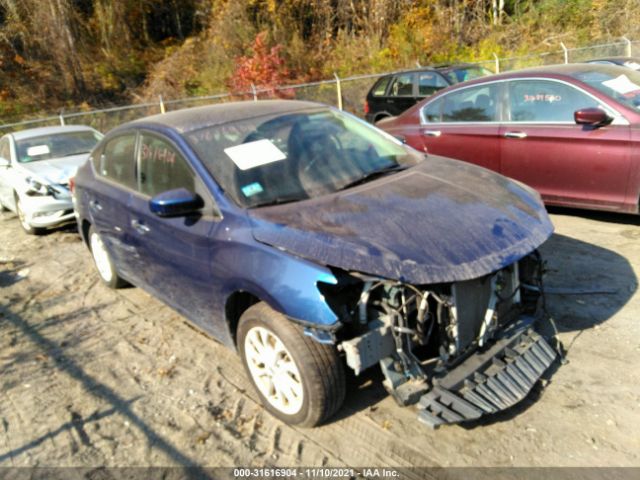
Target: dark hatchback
[(311, 242), (394, 93)]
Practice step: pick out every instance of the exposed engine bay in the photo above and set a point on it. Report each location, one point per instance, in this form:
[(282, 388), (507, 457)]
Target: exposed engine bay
[(458, 350)]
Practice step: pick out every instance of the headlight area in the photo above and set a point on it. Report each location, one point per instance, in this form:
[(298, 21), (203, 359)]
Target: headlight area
[(39, 188), (458, 350)]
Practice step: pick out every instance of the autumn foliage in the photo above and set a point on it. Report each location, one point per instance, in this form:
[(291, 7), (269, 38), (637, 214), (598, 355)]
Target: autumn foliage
[(265, 68)]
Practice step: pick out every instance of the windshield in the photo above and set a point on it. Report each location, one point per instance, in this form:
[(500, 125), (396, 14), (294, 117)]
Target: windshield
[(294, 156), (463, 74), (621, 84), (56, 145)]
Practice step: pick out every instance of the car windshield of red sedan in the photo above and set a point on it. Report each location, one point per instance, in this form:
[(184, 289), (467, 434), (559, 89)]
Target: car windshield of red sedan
[(58, 145), (619, 83), (293, 156)]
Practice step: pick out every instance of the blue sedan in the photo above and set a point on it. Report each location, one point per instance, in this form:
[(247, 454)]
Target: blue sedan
[(313, 242)]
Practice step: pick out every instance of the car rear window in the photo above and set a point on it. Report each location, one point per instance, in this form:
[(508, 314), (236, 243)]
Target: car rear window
[(380, 87)]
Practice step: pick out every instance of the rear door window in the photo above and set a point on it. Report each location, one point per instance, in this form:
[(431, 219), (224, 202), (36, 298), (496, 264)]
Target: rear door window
[(545, 101), (117, 162), (475, 104), (162, 167), (402, 85), (429, 83)]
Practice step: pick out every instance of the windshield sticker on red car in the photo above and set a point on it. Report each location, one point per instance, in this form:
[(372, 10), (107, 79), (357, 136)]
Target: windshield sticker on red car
[(38, 150), (158, 153), (542, 97), (254, 154), (252, 189), (622, 84)]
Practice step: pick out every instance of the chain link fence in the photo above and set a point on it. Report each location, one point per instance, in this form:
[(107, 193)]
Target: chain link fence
[(346, 93)]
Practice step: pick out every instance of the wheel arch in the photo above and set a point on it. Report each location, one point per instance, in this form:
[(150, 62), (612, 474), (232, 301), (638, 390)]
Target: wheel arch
[(235, 305), (85, 225)]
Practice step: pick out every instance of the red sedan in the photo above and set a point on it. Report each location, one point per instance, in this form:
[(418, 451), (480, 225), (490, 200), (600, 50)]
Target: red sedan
[(572, 132)]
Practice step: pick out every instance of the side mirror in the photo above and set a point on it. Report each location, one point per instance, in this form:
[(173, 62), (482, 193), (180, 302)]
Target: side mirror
[(175, 203), (4, 162), (591, 116)]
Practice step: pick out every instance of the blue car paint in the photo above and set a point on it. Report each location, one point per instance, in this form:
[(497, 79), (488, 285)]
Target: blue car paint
[(197, 271), (279, 256), (422, 226)]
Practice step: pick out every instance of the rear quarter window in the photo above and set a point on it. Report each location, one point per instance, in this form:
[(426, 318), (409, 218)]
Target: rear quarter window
[(380, 87)]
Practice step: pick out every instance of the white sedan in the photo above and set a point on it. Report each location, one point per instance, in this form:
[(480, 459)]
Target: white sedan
[(35, 168)]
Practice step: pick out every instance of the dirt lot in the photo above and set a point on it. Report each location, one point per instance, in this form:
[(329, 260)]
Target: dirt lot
[(92, 377)]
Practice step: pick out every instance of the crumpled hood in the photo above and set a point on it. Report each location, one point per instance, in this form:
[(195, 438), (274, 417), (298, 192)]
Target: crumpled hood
[(56, 170), (440, 221)]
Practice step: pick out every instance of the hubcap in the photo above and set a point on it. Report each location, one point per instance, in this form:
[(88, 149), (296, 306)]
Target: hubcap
[(101, 257), (273, 370)]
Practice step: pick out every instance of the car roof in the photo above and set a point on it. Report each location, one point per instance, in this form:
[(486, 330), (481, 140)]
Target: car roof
[(434, 68), (41, 131), (552, 71), (191, 119), (614, 58)]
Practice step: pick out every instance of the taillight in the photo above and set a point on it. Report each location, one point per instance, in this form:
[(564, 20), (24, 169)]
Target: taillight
[(366, 107), (72, 185)]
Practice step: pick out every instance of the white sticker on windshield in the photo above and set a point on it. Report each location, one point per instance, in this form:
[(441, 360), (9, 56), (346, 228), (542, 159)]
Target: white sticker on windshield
[(38, 150), (622, 85), (632, 65), (254, 154)]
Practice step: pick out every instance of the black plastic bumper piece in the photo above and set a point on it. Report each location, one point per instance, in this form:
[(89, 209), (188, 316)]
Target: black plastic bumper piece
[(490, 382)]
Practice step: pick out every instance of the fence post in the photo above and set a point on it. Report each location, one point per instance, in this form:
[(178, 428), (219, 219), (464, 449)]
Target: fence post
[(566, 52), (255, 92), (339, 90), (162, 110), (61, 117), (497, 61), (628, 46)]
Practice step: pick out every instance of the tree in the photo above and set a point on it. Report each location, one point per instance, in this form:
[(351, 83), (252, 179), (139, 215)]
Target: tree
[(264, 68)]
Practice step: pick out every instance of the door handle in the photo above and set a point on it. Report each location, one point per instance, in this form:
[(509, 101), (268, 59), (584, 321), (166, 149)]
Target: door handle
[(515, 135), (141, 228), (95, 205), (432, 133)]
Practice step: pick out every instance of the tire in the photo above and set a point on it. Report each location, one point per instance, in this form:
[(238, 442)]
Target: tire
[(102, 260), (28, 229), (313, 373)]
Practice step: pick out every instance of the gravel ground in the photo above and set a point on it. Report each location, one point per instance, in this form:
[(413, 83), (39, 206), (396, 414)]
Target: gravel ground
[(95, 377)]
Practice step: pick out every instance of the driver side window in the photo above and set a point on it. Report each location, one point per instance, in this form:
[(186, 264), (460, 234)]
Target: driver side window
[(161, 167)]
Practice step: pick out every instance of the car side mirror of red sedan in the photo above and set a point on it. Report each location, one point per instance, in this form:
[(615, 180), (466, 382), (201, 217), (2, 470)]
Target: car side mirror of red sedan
[(595, 117)]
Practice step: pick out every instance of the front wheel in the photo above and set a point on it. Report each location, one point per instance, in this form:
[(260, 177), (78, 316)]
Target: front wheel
[(24, 222), (104, 264), (298, 380)]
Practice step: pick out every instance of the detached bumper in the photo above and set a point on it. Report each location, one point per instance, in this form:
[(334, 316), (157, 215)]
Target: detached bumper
[(490, 381)]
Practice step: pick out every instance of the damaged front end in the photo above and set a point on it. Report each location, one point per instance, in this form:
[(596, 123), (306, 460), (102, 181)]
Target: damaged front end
[(456, 350)]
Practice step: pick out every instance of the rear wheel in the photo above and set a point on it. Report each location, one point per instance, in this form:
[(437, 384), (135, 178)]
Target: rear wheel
[(24, 222), (298, 380), (104, 264)]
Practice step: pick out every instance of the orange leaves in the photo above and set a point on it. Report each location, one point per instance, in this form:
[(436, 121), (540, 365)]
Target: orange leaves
[(265, 68)]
